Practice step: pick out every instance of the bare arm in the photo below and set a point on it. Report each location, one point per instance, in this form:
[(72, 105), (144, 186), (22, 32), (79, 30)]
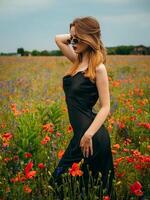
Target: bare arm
[(61, 41), (102, 83), (103, 90)]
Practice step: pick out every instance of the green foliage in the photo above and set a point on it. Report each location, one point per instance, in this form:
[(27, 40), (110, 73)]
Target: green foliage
[(129, 95), (20, 51), (28, 127), (51, 113), (121, 50), (35, 53)]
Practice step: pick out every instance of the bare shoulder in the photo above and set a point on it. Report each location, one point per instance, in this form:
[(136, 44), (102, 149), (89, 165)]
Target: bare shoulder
[(101, 74), (100, 68)]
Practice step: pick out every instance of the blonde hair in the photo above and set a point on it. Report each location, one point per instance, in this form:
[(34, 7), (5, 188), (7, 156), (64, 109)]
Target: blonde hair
[(88, 30)]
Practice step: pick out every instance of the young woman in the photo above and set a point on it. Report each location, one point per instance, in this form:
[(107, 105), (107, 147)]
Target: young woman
[(83, 84)]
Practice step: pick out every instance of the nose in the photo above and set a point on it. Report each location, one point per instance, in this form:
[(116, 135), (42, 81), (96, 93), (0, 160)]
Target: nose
[(72, 42)]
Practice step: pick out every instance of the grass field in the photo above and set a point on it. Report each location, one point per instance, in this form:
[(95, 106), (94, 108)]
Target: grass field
[(35, 129)]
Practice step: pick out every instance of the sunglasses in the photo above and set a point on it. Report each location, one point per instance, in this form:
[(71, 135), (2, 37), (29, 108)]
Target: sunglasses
[(73, 41)]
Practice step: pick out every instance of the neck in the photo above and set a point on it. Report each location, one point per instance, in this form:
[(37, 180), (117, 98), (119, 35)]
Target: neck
[(85, 57)]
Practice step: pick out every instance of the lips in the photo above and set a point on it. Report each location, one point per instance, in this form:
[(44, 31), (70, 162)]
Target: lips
[(74, 47)]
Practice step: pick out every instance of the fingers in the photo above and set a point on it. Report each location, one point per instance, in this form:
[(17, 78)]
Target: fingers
[(87, 148), (84, 151), (87, 151), (91, 148)]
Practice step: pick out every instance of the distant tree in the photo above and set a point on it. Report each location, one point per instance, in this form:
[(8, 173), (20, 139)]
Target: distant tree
[(55, 53), (111, 50), (20, 51), (124, 50), (35, 53), (44, 53), (26, 53)]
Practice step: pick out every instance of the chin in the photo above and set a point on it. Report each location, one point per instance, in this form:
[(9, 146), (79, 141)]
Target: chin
[(77, 51)]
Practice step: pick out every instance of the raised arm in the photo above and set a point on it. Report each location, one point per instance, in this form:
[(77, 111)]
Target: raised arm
[(61, 41)]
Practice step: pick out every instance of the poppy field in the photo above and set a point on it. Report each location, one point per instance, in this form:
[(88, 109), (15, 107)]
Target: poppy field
[(35, 128)]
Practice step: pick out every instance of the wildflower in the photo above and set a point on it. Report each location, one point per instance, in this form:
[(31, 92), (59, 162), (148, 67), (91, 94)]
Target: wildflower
[(118, 160), (15, 157), (130, 159), (60, 154), (27, 189), (28, 173), (26, 110), (5, 144), (121, 174), (117, 146), (27, 155), (113, 151), (41, 165), (121, 125), (17, 113), (7, 136), (138, 166), (45, 140), (106, 198), (14, 109), (28, 167), (125, 150), (132, 118), (7, 159), (48, 127), (3, 125), (139, 111), (146, 125), (75, 170), (135, 188), (127, 142), (13, 106), (6, 139), (69, 129), (19, 178), (58, 134), (135, 152)]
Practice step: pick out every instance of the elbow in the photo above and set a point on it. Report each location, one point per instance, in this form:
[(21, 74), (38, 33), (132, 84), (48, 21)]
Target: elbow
[(107, 109), (56, 38)]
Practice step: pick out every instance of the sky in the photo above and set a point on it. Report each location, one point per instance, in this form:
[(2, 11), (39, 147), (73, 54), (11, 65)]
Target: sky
[(33, 24)]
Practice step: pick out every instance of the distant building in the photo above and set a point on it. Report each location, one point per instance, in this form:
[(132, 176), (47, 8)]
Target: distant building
[(141, 50), (18, 54)]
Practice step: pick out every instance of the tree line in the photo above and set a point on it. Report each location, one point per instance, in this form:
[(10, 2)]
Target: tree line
[(118, 50)]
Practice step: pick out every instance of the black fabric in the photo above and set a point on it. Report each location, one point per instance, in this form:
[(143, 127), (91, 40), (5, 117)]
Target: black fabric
[(81, 95)]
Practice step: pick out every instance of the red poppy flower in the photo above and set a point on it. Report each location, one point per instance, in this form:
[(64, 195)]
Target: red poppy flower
[(31, 174), (60, 154), (48, 127), (7, 136), (106, 198), (45, 140), (28, 173), (27, 155), (135, 188), (41, 165), (27, 189), (75, 170)]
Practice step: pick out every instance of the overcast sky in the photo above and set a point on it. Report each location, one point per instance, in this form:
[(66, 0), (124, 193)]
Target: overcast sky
[(33, 24)]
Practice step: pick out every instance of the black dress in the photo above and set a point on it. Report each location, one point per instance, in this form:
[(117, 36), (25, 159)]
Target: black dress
[(81, 95)]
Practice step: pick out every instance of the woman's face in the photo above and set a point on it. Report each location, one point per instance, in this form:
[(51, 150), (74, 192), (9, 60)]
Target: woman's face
[(80, 47)]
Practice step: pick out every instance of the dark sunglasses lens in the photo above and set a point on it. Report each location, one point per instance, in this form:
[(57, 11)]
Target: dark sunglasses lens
[(75, 41), (69, 41)]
